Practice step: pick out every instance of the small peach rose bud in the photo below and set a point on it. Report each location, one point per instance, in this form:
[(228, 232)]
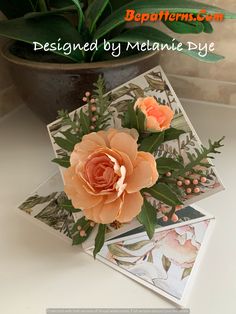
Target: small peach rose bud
[(158, 117), (93, 108), (87, 94), (187, 182), (92, 127), (195, 182), (168, 174), (188, 190), (196, 190), (94, 119), (82, 233), (79, 228), (203, 179), (179, 183), (92, 101), (174, 218), (165, 218), (85, 99)]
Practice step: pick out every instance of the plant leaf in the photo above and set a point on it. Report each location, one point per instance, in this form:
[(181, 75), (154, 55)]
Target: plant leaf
[(148, 218), (31, 30), (12, 9), (100, 239), (63, 162), (172, 134), (168, 164), (152, 142), (80, 13), (141, 34), (64, 143), (84, 122), (67, 205), (164, 193), (183, 27), (94, 11), (153, 6)]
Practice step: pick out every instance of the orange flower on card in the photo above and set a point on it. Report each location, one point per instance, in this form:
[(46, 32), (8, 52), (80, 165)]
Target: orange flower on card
[(158, 117), (106, 175)]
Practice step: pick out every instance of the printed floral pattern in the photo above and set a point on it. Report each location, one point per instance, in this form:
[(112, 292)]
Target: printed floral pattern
[(166, 261)]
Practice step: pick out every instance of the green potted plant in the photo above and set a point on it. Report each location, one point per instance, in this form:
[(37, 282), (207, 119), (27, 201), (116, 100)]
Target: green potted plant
[(48, 81)]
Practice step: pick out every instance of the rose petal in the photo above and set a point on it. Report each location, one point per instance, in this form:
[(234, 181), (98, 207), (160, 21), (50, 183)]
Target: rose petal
[(131, 207), (144, 175), (152, 162), (125, 143), (74, 189), (104, 213)]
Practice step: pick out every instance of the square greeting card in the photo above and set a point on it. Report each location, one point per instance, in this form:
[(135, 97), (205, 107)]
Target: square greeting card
[(183, 164), (131, 165), (167, 264)]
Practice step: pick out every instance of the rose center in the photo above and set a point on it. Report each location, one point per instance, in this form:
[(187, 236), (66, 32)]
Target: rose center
[(99, 172)]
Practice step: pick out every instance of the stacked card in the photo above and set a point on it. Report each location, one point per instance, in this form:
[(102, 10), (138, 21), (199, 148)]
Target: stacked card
[(167, 263)]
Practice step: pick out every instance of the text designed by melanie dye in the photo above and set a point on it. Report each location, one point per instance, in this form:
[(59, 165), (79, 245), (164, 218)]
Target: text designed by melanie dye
[(116, 48)]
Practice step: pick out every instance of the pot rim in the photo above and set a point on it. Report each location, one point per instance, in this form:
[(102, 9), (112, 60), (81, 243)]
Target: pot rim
[(7, 55)]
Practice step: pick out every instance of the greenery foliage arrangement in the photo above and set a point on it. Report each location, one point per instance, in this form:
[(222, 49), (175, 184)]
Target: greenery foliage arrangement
[(80, 21), (173, 173)]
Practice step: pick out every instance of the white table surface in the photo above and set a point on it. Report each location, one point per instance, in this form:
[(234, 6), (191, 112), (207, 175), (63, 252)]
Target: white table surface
[(38, 270)]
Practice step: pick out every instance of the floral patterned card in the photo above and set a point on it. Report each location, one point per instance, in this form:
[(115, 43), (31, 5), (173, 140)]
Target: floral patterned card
[(154, 83), (167, 264), (47, 208)]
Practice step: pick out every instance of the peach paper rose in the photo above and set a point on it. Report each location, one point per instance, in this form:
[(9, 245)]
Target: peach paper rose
[(106, 175), (158, 117)]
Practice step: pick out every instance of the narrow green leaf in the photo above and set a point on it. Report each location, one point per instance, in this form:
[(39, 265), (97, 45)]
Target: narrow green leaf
[(94, 11), (168, 164), (162, 192), (100, 239), (84, 122), (72, 138), (31, 30), (67, 205), (63, 162), (12, 9), (153, 6), (64, 144), (172, 134), (152, 142), (80, 13), (148, 218), (207, 27), (180, 27)]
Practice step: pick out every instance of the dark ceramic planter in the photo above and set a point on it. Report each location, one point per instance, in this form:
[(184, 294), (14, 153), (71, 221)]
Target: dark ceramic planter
[(49, 87)]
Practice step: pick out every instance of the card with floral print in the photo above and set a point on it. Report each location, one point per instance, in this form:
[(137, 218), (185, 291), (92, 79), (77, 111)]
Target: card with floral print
[(44, 207), (199, 179), (167, 264)]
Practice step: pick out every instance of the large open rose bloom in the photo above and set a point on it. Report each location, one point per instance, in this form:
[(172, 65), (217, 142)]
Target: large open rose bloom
[(106, 175), (158, 117)]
